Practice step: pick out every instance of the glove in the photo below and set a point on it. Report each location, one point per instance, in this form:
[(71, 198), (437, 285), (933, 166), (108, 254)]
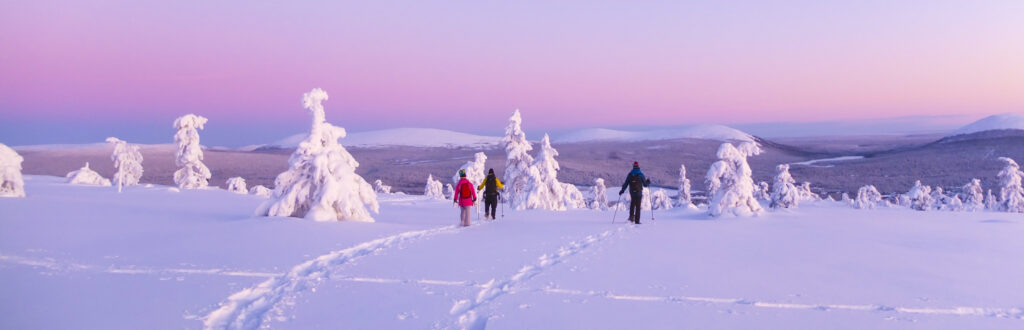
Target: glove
[(621, 191)]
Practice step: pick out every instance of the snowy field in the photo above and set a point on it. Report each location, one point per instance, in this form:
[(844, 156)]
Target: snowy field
[(85, 257)]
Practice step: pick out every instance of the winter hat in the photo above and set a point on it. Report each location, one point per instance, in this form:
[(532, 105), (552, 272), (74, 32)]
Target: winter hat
[(490, 171), (636, 164), (462, 173)]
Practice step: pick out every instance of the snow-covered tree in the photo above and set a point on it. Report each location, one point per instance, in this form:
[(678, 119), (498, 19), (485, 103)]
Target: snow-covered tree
[(128, 163), (784, 192), (449, 191), (433, 189), (730, 181), (685, 197), (321, 182), (955, 204), (939, 199), (476, 170), (845, 198), (544, 191), (991, 202), (1011, 194), (518, 162), (260, 190), (573, 197), (381, 188), (919, 197), (237, 185), (763, 191), (806, 194), (193, 174), (11, 183), (660, 200), (867, 197), (87, 176), (600, 193), (974, 197)]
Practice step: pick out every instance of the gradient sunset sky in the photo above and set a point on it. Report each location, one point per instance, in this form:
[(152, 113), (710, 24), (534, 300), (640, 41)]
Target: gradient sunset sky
[(78, 71)]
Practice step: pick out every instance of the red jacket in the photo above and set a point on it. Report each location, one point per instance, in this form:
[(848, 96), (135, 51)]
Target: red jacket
[(464, 201)]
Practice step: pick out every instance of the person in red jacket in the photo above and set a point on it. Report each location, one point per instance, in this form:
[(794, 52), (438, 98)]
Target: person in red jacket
[(465, 197)]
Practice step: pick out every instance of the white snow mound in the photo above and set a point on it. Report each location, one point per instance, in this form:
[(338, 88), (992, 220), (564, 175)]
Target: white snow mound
[(705, 132), (994, 122)]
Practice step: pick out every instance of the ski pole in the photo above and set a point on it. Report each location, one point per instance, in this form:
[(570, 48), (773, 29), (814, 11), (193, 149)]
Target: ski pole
[(501, 199), (616, 208)]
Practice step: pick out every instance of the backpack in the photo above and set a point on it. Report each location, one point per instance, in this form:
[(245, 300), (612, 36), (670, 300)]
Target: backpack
[(636, 183), (490, 186), (466, 191)]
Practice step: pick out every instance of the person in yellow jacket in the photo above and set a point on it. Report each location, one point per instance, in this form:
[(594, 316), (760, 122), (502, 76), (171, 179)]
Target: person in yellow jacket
[(490, 186)]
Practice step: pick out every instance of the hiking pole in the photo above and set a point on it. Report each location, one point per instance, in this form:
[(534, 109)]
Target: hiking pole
[(616, 208), (501, 200)]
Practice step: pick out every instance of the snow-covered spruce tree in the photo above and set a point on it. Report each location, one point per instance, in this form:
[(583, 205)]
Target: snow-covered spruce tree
[(784, 192), (955, 204), (600, 193), (518, 162), (11, 183), (381, 188), (845, 198), (573, 197), (449, 191), (660, 200), (433, 188), (762, 191), (544, 192), (193, 174), (868, 197), (260, 190), (685, 197), (237, 185), (730, 185), (475, 169), (1011, 194), (974, 197), (919, 197), (321, 182), (87, 176), (127, 162), (940, 201)]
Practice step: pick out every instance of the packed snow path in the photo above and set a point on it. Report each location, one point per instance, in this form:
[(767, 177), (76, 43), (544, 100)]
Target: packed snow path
[(141, 260)]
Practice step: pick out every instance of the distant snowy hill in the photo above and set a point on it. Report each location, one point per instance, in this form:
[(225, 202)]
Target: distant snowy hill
[(413, 137), (994, 122), (706, 132)]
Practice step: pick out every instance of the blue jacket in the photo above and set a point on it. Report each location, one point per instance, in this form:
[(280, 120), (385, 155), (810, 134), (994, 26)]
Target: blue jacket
[(635, 172)]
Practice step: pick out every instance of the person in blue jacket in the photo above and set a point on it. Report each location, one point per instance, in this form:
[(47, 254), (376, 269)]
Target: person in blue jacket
[(636, 182)]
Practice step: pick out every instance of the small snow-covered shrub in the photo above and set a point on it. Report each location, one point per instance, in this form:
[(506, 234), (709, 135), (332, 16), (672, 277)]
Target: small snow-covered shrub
[(955, 204), (763, 191), (940, 201), (260, 190), (730, 182), (919, 197), (868, 197), (87, 176), (660, 200), (1011, 194), (449, 191), (991, 202), (321, 183), (600, 193), (433, 188), (784, 192), (11, 183), (193, 174), (974, 197), (128, 163), (573, 197), (381, 188), (237, 185), (518, 162), (806, 194)]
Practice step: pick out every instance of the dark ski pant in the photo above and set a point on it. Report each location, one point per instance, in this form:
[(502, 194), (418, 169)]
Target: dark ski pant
[(634, 205), (490, 205)]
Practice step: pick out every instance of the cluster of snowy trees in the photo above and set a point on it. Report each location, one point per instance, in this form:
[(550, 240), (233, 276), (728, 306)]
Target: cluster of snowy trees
[(11, 184)]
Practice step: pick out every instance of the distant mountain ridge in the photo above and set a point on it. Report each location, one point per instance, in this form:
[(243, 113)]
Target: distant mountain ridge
[(1012, 121)]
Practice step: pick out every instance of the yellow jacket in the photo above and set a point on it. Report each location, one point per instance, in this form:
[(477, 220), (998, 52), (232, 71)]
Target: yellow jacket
[(497, 183)]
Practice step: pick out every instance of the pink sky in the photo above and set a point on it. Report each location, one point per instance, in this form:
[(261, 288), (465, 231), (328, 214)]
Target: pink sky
[(565, 65)]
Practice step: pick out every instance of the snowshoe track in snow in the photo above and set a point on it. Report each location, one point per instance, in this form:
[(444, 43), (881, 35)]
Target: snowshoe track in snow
[(245, 309), (464, 310)]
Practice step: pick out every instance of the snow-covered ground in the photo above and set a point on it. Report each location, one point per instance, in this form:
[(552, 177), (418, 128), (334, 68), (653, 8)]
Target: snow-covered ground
[(84, 257)]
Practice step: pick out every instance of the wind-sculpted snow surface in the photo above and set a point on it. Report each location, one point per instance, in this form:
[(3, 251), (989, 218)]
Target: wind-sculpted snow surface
[(321, 183), (465, 311), (245, 309)]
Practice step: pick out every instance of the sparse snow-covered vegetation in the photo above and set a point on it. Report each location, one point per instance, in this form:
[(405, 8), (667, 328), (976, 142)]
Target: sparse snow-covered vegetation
[(1011, 194), (433, 188), (730, 185), (237, 185), (127, 163), (868, 198), (784, 193), (320, 183)]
